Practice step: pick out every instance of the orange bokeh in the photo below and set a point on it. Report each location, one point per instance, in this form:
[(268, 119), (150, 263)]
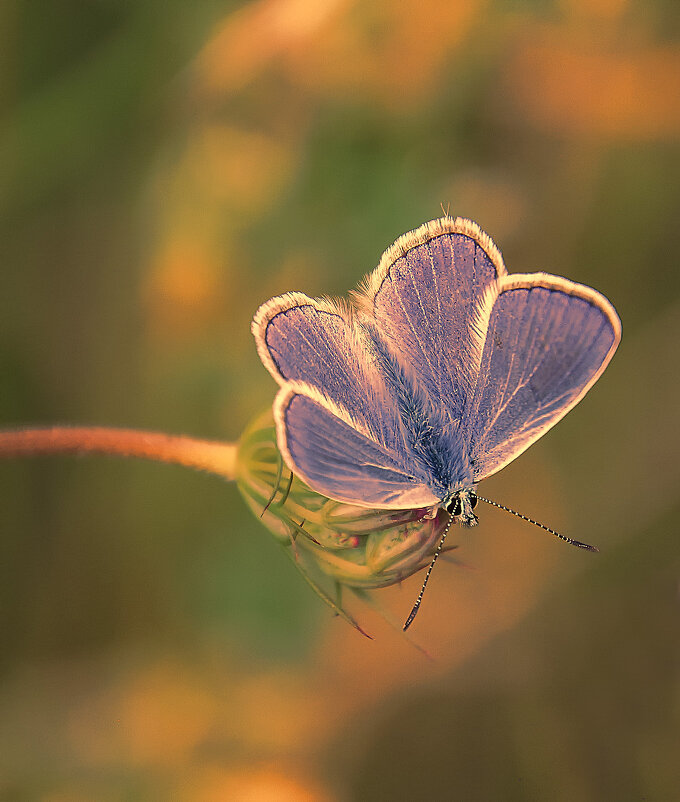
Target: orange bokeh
[(185, 289), (393, 53), (295, 138), (575, 88)]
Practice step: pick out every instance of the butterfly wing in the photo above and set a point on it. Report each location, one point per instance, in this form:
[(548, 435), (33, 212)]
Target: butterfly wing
[(331, 452), (337, 421), (317, 342), (424, 298), (547, 342), (445, 342)]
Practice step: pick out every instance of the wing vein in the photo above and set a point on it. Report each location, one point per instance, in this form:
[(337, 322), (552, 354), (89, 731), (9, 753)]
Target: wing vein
[(410, 321)]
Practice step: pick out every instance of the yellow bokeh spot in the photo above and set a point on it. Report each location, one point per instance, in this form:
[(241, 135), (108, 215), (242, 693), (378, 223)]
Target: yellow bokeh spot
[(184, 290), (242, 169), (259, 784), (163, 715)]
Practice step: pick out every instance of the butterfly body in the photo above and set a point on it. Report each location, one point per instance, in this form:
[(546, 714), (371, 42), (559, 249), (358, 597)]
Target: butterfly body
[(443, 370), (433, 440)]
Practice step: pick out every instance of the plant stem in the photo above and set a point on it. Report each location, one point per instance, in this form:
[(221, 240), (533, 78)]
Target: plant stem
[(206, 455)]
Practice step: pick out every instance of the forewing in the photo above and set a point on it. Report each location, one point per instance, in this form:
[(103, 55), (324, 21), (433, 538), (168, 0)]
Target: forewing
[(318, 343), (548, 340), (334, 454), (425, 300)]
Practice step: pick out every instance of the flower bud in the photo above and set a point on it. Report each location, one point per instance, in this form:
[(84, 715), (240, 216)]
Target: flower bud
[(355, 546)]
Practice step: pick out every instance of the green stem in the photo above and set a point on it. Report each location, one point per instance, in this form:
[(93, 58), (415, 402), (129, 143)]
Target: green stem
[(205, 455)]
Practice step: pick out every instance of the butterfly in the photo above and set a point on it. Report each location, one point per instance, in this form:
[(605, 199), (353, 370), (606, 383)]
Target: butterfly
[(441, 370)]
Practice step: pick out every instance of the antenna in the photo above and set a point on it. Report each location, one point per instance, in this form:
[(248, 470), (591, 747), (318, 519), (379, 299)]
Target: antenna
[(566, 539), (440, 545), (438, 551)]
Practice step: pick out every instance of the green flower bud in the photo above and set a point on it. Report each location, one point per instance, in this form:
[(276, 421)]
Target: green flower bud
[(357, 547)]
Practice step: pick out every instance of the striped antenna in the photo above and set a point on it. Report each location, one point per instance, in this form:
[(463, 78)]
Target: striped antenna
[(416, 606), (536, 523)]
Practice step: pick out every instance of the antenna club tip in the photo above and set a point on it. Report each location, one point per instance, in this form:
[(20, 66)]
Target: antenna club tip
[(586, 546), (409, 620)]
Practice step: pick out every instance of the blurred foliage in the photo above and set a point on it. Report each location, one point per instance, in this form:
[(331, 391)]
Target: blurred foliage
[(166, 167)]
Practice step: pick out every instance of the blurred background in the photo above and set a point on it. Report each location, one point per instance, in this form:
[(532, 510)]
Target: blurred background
[(165, 168)]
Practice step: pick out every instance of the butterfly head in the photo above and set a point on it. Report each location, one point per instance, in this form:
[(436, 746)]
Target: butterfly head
[(461, 505)]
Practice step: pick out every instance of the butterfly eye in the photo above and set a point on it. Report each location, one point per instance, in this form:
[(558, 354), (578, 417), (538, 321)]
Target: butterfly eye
[(454, 506), (473, 500)]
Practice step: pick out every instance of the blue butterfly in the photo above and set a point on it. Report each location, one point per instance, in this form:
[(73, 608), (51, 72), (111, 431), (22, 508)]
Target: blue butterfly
[(442, 370)]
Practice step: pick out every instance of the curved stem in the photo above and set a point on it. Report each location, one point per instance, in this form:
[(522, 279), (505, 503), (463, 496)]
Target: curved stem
[(205, 455)]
